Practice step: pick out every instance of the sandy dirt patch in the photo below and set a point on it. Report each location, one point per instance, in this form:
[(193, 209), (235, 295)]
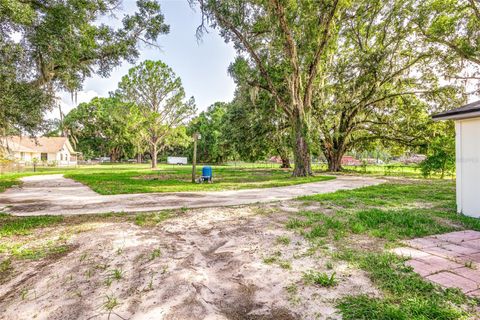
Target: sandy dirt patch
[(223, 263)]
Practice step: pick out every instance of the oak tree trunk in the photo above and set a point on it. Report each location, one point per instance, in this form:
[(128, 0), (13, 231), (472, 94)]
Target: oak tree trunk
[(301, 150), (334, 160), (285, 163), (154, 156)]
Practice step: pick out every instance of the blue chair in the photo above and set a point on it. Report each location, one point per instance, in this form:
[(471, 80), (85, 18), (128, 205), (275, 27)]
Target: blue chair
[(207, 174)]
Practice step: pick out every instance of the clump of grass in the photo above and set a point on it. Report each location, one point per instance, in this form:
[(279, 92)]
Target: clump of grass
[(407, 295), (110, 303), (320, 278), (117, 274), (284, 264), (12, 225), (155, 254), (5, 269), (152, 219), (283, 240), (50, 249), (329, 265), (272, 258)]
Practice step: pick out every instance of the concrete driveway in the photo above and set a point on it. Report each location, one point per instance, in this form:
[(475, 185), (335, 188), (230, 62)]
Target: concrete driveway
[(56, 195)]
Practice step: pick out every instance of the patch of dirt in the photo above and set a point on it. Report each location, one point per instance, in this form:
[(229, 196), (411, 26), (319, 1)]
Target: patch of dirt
[(204, 264)]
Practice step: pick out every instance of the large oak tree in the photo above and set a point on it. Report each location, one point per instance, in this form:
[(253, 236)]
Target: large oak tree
[(286, 42)]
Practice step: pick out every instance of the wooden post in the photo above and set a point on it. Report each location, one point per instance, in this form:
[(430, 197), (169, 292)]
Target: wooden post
[(196, 136)]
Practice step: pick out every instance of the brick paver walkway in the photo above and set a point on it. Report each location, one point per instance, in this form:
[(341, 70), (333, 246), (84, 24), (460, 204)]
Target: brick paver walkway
[(451, 260)]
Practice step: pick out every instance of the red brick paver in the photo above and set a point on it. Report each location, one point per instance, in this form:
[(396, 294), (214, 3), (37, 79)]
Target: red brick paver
[(451, 260)]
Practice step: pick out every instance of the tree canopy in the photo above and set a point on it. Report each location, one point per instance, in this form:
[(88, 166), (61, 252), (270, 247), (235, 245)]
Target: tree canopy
[(62, 43), (157, 93)]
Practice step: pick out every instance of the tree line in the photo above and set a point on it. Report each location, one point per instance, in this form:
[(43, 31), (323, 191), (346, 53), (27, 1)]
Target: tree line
[(313, 77)]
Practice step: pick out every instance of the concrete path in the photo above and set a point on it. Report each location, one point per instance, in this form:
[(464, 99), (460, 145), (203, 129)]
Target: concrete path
[(450, 260), (54, 194)]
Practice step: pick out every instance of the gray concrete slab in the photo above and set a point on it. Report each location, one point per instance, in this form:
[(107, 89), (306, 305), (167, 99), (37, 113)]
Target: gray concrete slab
[(57, 195)]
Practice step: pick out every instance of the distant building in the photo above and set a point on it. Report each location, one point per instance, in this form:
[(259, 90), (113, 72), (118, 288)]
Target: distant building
[(350, 161), (467, 128), (50, 150)]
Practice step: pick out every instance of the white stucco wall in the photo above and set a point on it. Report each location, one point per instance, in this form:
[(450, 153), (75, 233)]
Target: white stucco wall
[(468, 166)]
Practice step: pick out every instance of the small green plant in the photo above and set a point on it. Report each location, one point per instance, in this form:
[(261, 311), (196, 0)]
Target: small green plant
[(320, 278), (155, 254), (273, 258), (117, 274), (329, 265), (283, 240), (292, 291), (24, 293), (110, 303), (469, 264), (5, 266), (285, 264)]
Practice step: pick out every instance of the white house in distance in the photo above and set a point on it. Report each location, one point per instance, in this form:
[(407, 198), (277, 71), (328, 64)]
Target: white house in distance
[(50, 150), (467, 128)]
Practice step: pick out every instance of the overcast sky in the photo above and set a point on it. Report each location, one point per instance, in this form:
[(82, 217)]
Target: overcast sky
[(201, 66)]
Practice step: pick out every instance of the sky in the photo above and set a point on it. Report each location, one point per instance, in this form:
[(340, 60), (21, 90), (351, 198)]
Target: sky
[(202, 66)]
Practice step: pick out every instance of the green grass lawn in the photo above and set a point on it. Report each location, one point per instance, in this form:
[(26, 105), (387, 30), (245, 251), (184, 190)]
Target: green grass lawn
[(133, 178), (385, 214)]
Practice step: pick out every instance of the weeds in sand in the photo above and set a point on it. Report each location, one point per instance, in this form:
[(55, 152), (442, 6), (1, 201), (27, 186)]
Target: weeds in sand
[(285, 264), (83, 257), (20, 251), (292, 291), (24, 293), (283, 240), (329, 265), (12, 225), (101, 266), (469, 264), (110, 303), (119, 251), (5, 266), (155, 254), (153, 219), (117, 274), (108, 282), (320, 278), (273, 258), (89, 273)]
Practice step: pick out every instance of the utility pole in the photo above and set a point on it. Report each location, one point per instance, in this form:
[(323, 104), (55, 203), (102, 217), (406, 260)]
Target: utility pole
[(196, 136)]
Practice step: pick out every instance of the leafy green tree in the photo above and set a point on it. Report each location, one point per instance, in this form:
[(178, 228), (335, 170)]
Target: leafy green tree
[(102, 127), (255, 130), (157, 92), (213, 147), (441, 156), (379, 85), (62, 43), (285, 44), (453, 24)]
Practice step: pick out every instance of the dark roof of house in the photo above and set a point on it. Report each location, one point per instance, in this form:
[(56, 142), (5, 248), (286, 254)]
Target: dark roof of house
[(471, 110)]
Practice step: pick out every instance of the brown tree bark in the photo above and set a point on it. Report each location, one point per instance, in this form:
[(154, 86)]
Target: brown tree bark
[(285, 163), (154, 152), (334, 158), (139, 158), (301, 150)]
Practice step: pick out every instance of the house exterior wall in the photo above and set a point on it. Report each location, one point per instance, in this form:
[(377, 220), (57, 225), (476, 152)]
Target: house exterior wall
[(468, 166), (62, 158)]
